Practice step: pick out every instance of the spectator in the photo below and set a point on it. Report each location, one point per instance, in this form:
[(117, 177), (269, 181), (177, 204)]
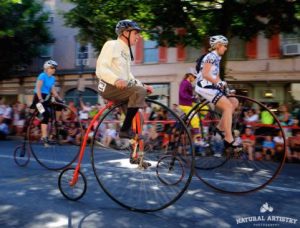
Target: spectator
[(285, 119), (84, 112), (110, 135), (279, 145), (266, 117), (251, 116), (268, 147), (248, 141), (294, 143), (187, 101), (4, 131)]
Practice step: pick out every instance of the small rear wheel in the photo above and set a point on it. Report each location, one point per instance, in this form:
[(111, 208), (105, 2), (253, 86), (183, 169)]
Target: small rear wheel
[(21, 155), (76, 191), (170, 170)]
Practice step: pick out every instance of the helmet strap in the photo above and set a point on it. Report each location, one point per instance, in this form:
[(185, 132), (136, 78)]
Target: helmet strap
[(128, 41)]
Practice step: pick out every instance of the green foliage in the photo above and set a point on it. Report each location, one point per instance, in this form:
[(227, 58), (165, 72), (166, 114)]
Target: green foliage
[(22, 32), (160, 18)]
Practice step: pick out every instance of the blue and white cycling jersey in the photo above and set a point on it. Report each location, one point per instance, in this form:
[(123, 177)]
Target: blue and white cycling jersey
[(214, 59), (203, 86)]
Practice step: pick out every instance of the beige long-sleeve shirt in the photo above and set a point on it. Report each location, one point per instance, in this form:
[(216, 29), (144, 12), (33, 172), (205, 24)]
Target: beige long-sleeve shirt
[(113, 62)]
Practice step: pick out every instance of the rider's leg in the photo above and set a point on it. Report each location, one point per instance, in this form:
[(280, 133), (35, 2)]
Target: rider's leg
[(135, 96), (136, 101), (226, 121), (44, 130), (124, 131)]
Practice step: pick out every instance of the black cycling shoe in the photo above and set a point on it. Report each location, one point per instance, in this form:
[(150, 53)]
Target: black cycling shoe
[(229, 145), (137, 161), (219, 132)]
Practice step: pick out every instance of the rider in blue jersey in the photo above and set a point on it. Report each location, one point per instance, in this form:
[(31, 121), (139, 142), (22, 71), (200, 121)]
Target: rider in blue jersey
[(44, 88)]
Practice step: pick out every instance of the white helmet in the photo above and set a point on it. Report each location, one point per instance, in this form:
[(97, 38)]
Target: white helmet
[(192, 71), (50, 63), (213, 40)]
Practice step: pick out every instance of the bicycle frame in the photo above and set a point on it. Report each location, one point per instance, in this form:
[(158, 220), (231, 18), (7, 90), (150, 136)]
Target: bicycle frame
[(85, 138), (136, 127)]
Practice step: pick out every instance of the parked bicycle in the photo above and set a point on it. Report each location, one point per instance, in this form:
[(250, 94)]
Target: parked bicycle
[(65, 133), (131, 172)]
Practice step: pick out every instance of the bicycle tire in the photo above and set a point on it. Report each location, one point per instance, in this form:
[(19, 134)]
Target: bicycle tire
[(75, 192), (133, 188), (21, 155), (247, 170), (60, 153)]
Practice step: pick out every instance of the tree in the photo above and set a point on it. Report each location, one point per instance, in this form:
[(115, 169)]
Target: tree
[(201, 19), (22, 32)]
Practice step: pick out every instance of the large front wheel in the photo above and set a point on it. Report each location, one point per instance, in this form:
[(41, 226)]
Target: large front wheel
[(259, 151), (64, 133), (164, 179)]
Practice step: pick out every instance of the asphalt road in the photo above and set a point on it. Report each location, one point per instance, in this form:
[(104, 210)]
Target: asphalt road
[(29, 197)]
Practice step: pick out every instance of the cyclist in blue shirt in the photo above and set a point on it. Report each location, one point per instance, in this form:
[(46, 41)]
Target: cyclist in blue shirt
[(211, 87), (44, 88)]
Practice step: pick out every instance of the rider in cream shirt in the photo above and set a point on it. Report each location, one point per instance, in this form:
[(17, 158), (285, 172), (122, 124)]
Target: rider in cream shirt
[(114, 62)]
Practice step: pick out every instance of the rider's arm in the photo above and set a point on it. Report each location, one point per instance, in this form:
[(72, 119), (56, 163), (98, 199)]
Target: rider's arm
[(206, 72), (54, 93), (39, 85)]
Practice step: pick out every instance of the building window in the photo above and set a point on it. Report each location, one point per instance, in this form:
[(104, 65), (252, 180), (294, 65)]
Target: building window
[(236, 49), (150, 51), (82, 54), (290, 44), (291, 38), (47, 51), (161, 92)]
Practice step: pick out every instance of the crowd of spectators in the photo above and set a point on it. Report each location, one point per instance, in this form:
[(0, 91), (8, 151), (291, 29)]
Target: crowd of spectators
[(13, 118)]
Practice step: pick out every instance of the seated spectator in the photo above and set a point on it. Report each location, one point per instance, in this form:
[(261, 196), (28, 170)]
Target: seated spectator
[(285, 119), (110, 135), (73, 134), (294, 143), (248, 142), (19, 118), (266, 117), (279, 145), (251, 116), (268, 147), (4, 130)]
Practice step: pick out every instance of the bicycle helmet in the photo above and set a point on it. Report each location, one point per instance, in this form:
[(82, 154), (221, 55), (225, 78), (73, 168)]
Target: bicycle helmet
[(50, 63), (213, 40), (126, 25)]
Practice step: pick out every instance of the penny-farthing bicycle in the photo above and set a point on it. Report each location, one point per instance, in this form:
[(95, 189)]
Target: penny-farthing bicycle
[(62, 149), (131, 172), (244, 168)]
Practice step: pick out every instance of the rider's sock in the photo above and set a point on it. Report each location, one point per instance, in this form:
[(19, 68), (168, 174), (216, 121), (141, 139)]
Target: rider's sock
[(128, 118)]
